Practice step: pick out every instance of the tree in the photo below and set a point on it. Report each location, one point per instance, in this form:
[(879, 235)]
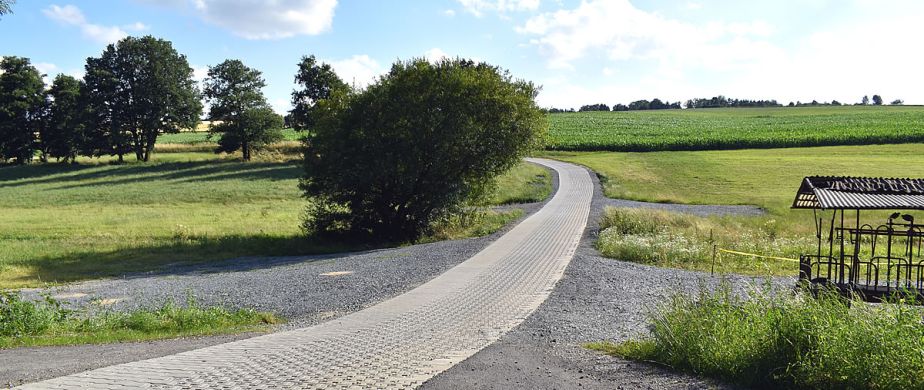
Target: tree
[(252, 130), (61, 136), (140, 88), (897, 102), (317, 82), (415, 147), (22, 105), (865, 100), (6, 6), (877, 100), (233, 90)]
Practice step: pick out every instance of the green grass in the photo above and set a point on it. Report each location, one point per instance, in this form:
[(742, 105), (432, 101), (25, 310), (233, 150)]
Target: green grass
[(767, 178), (735, 128), (63, 223), (785, 340), (199, 137), (676, 240), (26, 323)]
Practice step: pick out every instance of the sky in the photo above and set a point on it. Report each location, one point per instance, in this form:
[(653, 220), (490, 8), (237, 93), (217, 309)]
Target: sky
[(580, 52)]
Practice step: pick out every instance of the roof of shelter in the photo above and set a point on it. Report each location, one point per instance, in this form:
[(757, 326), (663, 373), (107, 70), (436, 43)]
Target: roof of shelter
[(862, 193)]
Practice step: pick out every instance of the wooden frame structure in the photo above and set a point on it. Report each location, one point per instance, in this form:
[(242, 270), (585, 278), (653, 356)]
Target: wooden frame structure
[(871, 261)]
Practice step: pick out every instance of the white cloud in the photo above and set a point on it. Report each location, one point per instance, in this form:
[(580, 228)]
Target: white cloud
[(450, 13), (622, 32), (479, 7), (435, 54), (358, 70), (253, 19), (70, 15)]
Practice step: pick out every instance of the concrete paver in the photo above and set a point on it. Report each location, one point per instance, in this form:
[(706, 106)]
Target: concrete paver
[(399, 343)]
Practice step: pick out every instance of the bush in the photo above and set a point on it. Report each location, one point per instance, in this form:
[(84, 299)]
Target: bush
[(415, 147), (782, 340)]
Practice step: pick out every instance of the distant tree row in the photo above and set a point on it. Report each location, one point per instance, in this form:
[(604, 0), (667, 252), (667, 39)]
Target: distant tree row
[(714, 102), (138, 89), (722, 101)]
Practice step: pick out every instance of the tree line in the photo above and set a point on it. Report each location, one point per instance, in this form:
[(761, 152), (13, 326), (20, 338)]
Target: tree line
[(713, 102), (136, 90)]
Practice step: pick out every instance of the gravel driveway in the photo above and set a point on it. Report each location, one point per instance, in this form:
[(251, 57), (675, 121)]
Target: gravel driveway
[(598, 299)]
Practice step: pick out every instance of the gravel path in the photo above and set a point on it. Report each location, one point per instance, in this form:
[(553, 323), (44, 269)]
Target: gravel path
[(293, 287), (398, 343), (597, 299)]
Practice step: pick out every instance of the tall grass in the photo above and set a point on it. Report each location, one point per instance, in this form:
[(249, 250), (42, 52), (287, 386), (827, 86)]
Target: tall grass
[(686, 241), (48, 322), (785, 340)]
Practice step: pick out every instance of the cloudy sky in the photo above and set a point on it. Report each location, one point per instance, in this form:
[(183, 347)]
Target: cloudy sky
[(606, 51)]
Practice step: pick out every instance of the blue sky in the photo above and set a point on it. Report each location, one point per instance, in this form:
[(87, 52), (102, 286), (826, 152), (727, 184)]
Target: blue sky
[(606, 51)]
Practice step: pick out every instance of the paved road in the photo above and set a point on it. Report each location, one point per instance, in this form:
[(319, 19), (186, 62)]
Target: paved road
[(398, 343)]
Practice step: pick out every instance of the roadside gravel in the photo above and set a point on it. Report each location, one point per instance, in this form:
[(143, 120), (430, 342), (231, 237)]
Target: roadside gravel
[(597, 299), (305, 290)]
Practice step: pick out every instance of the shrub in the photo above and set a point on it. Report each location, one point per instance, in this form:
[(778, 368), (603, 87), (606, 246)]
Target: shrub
[(780, 340), (415, 147)]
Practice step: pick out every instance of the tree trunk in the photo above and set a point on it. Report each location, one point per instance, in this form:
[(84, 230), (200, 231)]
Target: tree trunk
[(121, 160), (245, 147)]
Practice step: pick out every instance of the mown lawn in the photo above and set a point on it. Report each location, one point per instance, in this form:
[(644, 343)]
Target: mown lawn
[(767, 178), (735, 128), (73, 222)]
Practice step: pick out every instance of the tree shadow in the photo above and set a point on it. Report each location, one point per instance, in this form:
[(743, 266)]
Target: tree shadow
[(180, 171), (188, 256)]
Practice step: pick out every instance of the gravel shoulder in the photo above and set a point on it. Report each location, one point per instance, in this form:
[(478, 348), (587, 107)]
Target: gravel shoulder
[(597, 299), (306, 290)]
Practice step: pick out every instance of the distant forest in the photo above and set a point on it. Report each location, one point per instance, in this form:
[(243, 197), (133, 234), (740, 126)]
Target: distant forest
[(714, 102)]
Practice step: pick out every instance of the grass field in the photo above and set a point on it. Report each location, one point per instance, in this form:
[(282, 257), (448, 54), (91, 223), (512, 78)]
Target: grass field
[(735, 128), (767, 178), (72, 222), (199, 137)]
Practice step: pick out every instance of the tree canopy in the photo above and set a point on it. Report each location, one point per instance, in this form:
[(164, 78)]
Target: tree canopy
[(140, 88), (234, 93), (316, 81), (22, 108), (415, 147), (62, 134)]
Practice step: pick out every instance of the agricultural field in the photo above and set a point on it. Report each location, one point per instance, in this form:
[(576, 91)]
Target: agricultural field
[(735, 128), (74, 222), (764, 177)]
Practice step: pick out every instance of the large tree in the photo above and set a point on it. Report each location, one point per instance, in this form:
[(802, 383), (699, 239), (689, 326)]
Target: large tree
[(316, 81), (415, 147), (22, 105), (233, 91), (140, 88), (61, 137)]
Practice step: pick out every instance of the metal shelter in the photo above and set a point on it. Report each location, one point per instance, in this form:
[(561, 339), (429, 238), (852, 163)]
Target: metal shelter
[(872, 261)]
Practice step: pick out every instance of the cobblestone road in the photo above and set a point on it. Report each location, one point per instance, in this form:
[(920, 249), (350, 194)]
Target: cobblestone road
[(399, 343)]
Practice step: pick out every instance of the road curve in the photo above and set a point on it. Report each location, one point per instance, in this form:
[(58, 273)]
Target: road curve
[(399, 343)]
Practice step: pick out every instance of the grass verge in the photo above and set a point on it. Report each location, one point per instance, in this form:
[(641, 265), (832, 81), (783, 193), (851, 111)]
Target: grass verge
[(669, 239), (63, 223), (785, 340), (26, 323)]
